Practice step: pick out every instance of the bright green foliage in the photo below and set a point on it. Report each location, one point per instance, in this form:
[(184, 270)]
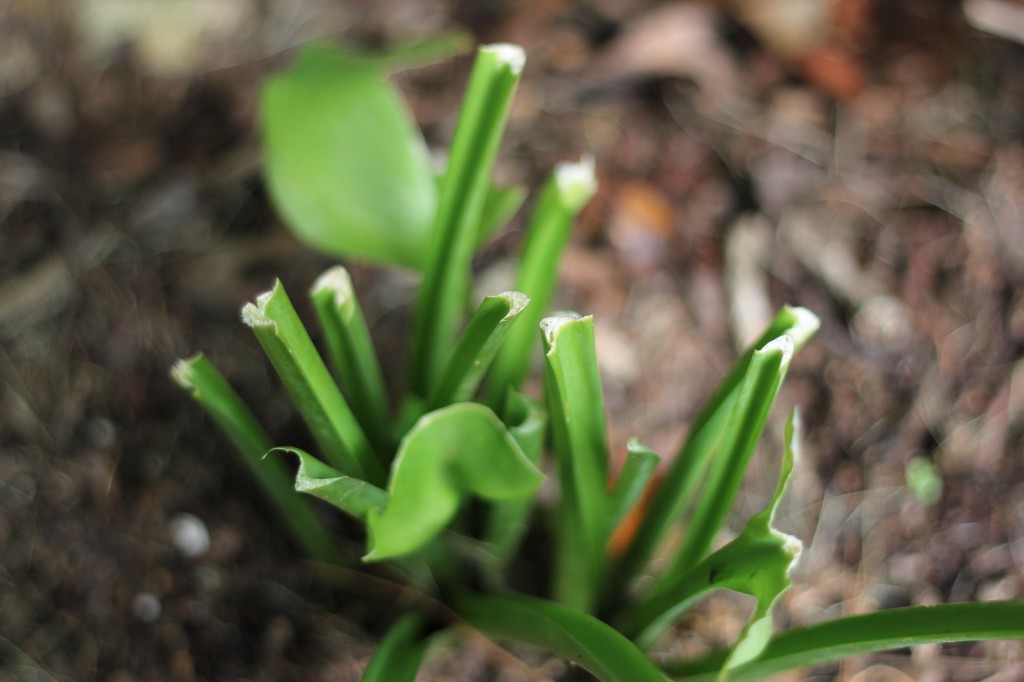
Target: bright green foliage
[(448, 488), (484, 334), (351, 495), (346, 165), (576, 409), (563, 630), (351, 353), (209, 388), (757, 563), (451, 453), (304, 375), (400, 653), (457, 224)]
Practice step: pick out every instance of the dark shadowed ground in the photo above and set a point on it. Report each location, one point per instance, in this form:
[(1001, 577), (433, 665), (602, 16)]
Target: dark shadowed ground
[(866, 162)]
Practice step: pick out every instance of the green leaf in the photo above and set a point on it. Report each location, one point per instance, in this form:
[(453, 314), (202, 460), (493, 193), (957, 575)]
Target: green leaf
[(456, 229), (864, 634), (345, 163), (757, 562), (352, 356), (351, 495), (632, 480), (507, 521), (702, 441), (570, 187), (303, 373), (211, 390), (425, 52), (579, 638), (500, 205), (746, 422), (479, 343), (400, 654), (449, 454), (572, 389)]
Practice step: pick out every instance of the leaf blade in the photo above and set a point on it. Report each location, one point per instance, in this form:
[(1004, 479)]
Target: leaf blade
[(572, 634)]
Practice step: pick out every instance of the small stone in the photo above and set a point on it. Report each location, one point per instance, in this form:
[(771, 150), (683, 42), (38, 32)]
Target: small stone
[(190, 535), (146, 607)]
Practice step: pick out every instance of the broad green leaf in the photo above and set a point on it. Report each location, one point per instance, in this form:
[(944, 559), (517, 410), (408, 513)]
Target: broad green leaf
[(210, 389), (864, 634), (480, 341), (303, 373), (632, 480), (757, 563), (572, 389), (352, 356), (576, 636), (345, 163), (507, 521), (564, 195), (454, 234), (400, 654), (703, 440), (351, 495), (448, 455)]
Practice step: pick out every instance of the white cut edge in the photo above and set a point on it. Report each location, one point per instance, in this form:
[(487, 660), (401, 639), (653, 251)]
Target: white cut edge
[(255, 314), (517, 302), (783, 344), (337, 281), (508, 54), (181, 372), (549, 326), (576, 182), (805, 326)]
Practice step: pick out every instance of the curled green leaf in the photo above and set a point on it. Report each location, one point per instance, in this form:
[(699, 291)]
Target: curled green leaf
[(351, 495), (451, 453)]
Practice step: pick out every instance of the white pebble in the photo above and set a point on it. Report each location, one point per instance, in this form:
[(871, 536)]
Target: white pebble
[(146, 607), (190, 535)]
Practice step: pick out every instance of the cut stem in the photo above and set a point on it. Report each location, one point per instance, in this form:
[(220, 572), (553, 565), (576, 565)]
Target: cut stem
[(484, 335), (353, 359), (576, 408), (210, 389), (303, 373), (564, 195), (474, 148)]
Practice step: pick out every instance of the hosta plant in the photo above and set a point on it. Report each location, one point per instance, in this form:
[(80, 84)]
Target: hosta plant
[(445, 476)]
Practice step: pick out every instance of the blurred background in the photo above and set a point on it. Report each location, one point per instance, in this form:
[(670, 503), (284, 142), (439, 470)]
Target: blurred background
[(861, 158)]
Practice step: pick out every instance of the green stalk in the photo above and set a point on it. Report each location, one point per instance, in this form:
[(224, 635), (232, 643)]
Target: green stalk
[(401, 652), (507, 521), (702, 441), (484, 335), (629, 486), (576, 408), (753, 402), (564, 195), (353, 359), (855, 635), (463, 194), (210, 389), (303, 373)]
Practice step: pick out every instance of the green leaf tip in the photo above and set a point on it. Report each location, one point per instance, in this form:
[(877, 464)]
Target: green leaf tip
[(254, 313), (551, 327), (338, 282), (182, 372), (576, 182), (449, 454), (507, 54)]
